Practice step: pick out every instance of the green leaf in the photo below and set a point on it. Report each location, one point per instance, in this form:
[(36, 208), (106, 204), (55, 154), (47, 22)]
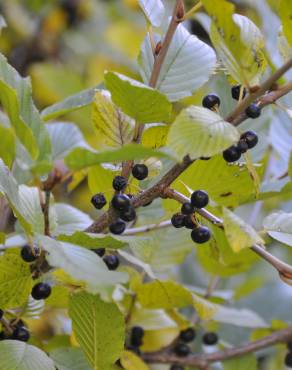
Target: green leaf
[(82, 265), (80, 158), (70, 104), (188, 64), (150, 105), (285, 12), (100, 180), (114, 129), (246, 362), (237, 40), (15, 95), (16, 355), (279, 226), (153, 10), (284, 48), (64, 137), (99, 328), (200, 132), (8, 146), (240, 235), (15, 281), (69, 359), (163, 294)]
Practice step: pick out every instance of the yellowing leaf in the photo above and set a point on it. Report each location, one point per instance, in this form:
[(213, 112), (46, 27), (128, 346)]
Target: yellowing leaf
[(285, 11), (130, 361)]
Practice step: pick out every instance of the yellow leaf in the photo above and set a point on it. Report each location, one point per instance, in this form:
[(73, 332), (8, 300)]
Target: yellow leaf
[(130, 361)]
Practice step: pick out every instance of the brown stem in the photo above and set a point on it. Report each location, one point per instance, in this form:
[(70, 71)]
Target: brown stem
[(145, 229), (46, 211), (203, 360)]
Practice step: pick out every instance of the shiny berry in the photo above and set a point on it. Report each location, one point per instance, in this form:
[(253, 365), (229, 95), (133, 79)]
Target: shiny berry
[(201, 234), (187, 335), (209, 101), (99, 251), (121, 202), (111, 261), (182, 350), (29, 254), (187, 208), (288, 359), (177, 220), (128, 215), (250, 138), (21, 333), (41, 291), (189, 222), (140, 171), (98, 200), (232, 154), (199, 199), (235, 92), (242, 146), (119, 183), (137, 334), (117, 227), (253, 111), (210, 339)]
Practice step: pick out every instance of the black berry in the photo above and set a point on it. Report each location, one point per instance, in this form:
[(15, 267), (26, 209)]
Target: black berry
[(21, 333), (189, 222), (111, 261), (232, 154), (119, 183), (187, 335), (187, 208), (209, 101), (289, 346), (117, 227), (41, 291), (182, 350), (288, 359), (199, 199), (242, 146), (250, 138), (210, 339), (98, 200), (99, 251), (140, 171), (128, 215), (177, 220), (253, 111), (201, 234), (235, 92), (28, 253), (121, 202), (176, 367), (137, 334)]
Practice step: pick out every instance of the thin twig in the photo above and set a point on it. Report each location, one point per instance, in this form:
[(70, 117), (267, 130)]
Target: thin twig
[(147, 228), (46, 211)]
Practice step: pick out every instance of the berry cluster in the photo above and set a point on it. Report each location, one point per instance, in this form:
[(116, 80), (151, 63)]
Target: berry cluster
[(200, 234), (248, 140), (112, 261), (19, 331), (288, 357)]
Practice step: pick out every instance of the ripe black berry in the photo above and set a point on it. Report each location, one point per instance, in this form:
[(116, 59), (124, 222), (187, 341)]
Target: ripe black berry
[(209, 101), (187, 208), (21, 333), (250, 138), (177, 220), (199, 199), (189, 223), (182, 350), (288, 359), (232, 154), (187, 335), (111, 261), (176, 367), (119, 183), (121, 202), (201, 234), (253, 111), (98, 200), (210, 339), (235, 92), (117, 227), (41, 291), (99, 251), (137, 334), (128, 215), (242, 146), (140, 171), (29, 254)]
